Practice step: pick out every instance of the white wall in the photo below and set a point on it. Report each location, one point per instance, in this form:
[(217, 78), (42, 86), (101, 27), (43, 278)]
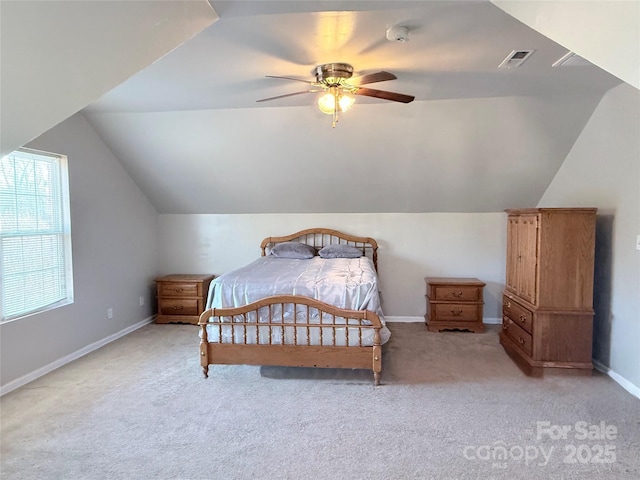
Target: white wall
[(411, 247), (114, 228), (603, 170)]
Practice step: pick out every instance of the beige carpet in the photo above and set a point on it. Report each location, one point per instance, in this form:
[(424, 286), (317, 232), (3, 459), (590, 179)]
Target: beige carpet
[(450, 403)]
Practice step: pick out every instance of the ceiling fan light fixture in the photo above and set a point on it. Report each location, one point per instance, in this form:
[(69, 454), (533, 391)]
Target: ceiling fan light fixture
[(346, 101), (328, 101)]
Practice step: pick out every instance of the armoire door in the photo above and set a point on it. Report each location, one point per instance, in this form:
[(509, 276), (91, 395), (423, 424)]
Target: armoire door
[(528, 257), (512, 254)]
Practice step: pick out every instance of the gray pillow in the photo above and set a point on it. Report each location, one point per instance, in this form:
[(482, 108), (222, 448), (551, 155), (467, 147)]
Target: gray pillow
[(340, 251), (293, 250)]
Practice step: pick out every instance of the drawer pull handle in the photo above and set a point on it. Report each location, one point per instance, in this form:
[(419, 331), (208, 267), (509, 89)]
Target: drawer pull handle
[(456, 313), (177, 307), (521, 340), (178, 290), (523, 318), (457, 294), (505, 326), (506, 304)]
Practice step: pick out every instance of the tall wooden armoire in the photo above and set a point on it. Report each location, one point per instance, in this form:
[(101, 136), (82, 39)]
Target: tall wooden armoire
[(547, 305)]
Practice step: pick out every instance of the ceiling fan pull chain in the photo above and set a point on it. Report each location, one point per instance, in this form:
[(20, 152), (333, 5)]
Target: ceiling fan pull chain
[(336, 105)]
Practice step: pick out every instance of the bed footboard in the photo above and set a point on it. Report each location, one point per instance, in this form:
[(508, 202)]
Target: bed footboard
[(290, 330)]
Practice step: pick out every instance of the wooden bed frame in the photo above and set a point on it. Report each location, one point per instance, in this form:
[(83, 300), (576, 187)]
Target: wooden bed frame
[(321, 237), (295, 352)]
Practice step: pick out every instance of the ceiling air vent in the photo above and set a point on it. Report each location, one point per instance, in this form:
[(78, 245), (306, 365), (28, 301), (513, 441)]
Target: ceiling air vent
[(515, 58), (570, 59)]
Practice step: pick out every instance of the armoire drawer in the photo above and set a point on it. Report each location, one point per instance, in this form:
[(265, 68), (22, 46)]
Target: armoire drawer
[(516, 312), (518, 335)]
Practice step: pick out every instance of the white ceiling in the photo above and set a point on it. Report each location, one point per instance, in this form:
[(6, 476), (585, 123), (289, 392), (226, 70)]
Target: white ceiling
[(478, 138), (453, 52)]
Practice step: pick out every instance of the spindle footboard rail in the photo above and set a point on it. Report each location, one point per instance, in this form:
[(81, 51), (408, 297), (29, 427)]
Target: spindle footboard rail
[(291, 331)]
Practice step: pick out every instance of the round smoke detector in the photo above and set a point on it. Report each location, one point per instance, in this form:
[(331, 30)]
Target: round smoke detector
[(398, 34)]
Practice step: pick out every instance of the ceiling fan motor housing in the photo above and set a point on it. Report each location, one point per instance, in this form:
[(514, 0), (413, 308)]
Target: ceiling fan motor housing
[(333, 73)]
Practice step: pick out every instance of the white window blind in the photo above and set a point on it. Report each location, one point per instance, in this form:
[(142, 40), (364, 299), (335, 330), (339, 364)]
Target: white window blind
[(35, 236)]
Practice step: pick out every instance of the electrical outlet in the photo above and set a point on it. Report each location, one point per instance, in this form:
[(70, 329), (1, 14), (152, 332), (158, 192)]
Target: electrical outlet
[(109, 313), (141, 301)]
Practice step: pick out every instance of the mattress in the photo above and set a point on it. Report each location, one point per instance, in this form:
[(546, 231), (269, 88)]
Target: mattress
[(347, 283)]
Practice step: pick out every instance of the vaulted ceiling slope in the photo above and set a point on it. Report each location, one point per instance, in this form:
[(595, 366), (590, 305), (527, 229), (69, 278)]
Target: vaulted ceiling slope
[(477, 138), (58, 56)]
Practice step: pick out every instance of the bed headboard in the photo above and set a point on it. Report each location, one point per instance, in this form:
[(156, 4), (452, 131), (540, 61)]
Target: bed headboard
[(321, 237)]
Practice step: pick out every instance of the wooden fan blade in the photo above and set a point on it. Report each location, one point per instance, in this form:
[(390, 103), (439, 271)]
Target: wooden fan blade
[(287, 95), (293, 78), (372, 78), (394, 97)]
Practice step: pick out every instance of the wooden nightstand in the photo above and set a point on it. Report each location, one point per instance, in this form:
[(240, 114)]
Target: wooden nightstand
[(454, 303), (181, 298)]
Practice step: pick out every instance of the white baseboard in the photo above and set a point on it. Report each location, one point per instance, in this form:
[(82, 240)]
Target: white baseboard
[(29, 377), (492, 320), (394, 319), (619, 379)]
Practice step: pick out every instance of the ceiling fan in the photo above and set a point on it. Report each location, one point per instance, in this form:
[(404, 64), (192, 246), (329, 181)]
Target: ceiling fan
[(340, 89)]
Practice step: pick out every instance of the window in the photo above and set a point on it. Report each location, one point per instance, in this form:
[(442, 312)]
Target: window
[(35, 233)]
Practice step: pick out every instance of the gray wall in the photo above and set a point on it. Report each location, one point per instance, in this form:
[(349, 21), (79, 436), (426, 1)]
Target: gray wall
[(603, 170), (114, 230)]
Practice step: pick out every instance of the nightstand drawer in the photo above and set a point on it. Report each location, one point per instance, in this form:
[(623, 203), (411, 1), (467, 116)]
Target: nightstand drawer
[(171, 289), (516, 312), (178, 306), (462, 293), (453, 312), (518, 335)]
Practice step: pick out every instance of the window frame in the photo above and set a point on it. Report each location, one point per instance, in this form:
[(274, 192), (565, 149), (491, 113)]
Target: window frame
[(62, 231)]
